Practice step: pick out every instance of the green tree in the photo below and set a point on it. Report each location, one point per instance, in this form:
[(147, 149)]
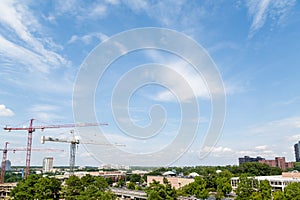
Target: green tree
[(25, 189), (223, 187), (130, 186), (73, 187), (245, 187), (11, 177), (109, 181), (265, 190), (278, 195), (292, 191), (156, 190), (95, 188), (135, 178), (87, 180), (153, 195), (196, 188), (47, 188)]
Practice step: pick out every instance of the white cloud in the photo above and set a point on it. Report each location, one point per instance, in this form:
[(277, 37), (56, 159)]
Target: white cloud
[(137, 5), (262, 10), (80, 10), (15, 53), (216, 150), (21, 25), (263, 147), (46, 112), (19, 21), (286, 126), (5, 112), (87, 39), (192, 78)]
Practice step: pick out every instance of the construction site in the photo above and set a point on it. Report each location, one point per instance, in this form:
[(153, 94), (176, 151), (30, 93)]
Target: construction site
[(63, 172)]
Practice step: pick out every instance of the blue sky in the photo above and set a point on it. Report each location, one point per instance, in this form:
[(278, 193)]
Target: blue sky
[(254, 44)]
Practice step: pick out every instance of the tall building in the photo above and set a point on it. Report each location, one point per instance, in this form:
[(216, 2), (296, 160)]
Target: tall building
[(47, 164), (7, 165), (249, 159), (297, 151)]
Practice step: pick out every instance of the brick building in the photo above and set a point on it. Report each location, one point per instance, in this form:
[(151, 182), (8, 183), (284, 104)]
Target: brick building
[(278, 162)]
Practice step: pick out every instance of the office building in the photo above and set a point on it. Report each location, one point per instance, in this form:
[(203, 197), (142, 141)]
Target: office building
[(278, 162), (297, 151), (249, 159), (7, 165), (47, 164)]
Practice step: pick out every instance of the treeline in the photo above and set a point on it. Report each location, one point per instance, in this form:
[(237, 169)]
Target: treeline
[(249, 168), (85, 188), (211, 181)]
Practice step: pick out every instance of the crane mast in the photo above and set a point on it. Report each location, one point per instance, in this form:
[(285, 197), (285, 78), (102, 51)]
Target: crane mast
[(3, 165), (73, 142), (29, 145)]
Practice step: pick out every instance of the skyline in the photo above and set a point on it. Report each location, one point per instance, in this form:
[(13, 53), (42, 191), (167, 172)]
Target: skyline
[(253, 44)]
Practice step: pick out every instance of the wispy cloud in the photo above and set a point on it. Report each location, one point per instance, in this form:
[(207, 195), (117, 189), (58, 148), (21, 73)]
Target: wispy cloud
[(20, 25), (88, 38), (46, 112), (5, 112), (286, 125), (80, 10), (262, 10), (192, 78)]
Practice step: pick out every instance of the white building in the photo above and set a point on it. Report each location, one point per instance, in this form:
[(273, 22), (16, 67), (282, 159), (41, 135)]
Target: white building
[(47, 164), (278, 182)]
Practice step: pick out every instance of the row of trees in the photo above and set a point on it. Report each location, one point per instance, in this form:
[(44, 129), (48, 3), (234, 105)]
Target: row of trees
[(250, 168), (85, 188)]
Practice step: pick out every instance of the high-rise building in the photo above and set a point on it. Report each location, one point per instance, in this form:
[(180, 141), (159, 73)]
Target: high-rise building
[(297, 151), (7, 165), (249, 159), (47, 164)]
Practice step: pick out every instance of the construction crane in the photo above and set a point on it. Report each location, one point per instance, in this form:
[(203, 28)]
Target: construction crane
[(4, 157), (73, 142), (32, 128)]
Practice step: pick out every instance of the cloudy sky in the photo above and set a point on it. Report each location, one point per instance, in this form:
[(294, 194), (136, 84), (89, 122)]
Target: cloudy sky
[(253, 44)]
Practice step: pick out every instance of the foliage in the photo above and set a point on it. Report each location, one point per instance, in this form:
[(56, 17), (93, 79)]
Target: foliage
[(157, 191), (130, 186), (47, 188), (11, 177), (88, 187), (121, 183), (245, 187), (72, 187), (223, 187), (257, 169), (265, 190), (135, 178), (196, 188), (37, 187), (278, 195), (292, 191), (250, 188)]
